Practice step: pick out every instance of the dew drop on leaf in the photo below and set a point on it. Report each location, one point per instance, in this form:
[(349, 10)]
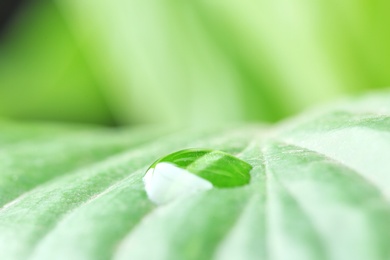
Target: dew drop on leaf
[(193, 170)]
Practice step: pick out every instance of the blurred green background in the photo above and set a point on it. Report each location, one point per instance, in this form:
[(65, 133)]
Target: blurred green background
[(199, 62)]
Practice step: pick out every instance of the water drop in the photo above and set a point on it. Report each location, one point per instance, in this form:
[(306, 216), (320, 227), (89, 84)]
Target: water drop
[(192, 170)]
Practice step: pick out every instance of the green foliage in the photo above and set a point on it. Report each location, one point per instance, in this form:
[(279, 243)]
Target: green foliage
[(318, 190), (43, 74), (190, 62)]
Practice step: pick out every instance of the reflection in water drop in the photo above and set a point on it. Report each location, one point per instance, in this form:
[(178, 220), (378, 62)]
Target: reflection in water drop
[(193, 170)]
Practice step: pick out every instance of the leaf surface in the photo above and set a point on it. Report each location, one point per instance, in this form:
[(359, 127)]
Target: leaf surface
[(318, 190)]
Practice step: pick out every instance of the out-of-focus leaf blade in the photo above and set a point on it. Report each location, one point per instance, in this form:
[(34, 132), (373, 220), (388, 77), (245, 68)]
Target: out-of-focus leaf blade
[(43, 74), (174, 59)]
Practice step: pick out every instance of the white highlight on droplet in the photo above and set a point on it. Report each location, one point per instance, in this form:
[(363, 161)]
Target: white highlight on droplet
[(166, 182)]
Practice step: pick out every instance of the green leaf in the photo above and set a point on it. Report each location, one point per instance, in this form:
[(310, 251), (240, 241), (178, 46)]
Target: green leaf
[(43, 74), (318, 190), (269, 58)]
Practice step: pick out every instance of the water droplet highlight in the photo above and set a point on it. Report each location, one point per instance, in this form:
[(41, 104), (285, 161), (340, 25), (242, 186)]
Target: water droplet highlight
[(192, 170)]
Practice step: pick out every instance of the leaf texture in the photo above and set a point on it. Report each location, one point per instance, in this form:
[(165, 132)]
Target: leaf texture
[(318, 190)]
